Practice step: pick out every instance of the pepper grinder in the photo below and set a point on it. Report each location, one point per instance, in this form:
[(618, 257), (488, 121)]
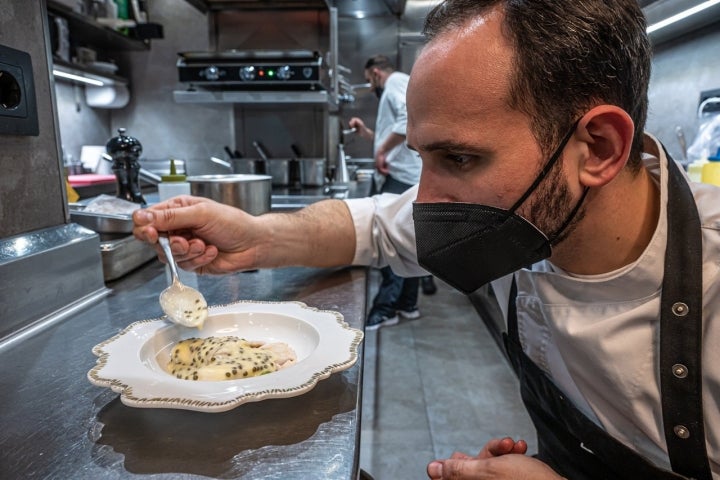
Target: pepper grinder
[(125, 152)]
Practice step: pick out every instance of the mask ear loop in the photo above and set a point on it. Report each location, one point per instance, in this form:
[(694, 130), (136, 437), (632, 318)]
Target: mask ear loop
[(570, 217), (546, 169)]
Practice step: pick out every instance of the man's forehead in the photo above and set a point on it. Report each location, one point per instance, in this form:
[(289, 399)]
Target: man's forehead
[(457, 84), (476, 55)]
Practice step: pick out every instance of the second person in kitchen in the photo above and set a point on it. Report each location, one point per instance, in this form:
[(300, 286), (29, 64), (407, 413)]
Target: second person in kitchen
[(399, 169)]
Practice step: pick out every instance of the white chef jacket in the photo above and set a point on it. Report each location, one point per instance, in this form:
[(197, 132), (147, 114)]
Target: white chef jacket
[(403, 164), (596, 336)]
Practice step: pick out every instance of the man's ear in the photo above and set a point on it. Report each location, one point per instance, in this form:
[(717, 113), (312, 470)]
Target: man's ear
[(607, 131)]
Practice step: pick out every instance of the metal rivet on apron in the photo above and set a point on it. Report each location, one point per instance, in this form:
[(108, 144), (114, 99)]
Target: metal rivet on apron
[(680, 309), (681, 431), (680, 370)]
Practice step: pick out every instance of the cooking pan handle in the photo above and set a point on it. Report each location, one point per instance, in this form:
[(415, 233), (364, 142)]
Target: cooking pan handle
[(261, 150)]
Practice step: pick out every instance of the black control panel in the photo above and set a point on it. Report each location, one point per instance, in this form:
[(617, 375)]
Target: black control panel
[(260, 69), (255, 74)]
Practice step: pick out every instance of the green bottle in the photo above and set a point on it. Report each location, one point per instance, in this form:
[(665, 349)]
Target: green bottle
[(123, 9)]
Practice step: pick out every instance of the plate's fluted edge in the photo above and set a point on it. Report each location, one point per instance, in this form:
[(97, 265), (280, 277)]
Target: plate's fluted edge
[(128, 398)]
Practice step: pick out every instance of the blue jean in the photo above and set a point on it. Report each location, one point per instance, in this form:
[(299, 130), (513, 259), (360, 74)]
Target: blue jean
[(395, 293)]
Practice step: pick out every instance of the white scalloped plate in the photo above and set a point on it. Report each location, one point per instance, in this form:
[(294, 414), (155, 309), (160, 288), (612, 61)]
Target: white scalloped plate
[(132, 361)]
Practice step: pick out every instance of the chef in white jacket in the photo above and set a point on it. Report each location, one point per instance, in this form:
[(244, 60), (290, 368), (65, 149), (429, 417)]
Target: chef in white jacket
[(537, 176)]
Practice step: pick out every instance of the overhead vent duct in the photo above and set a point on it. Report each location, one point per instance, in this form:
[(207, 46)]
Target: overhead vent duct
[(369, 8), (669, 19)]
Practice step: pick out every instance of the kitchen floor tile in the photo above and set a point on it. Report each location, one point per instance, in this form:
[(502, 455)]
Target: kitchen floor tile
[(433, 386)]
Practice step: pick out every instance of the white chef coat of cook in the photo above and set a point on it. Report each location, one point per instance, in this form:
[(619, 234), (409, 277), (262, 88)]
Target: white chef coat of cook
[(596, 336), (403, 164)]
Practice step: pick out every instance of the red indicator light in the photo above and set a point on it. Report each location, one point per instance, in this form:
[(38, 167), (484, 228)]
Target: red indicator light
[(261, 73)]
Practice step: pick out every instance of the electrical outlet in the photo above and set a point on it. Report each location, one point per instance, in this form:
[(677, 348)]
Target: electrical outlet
[(18, 108)]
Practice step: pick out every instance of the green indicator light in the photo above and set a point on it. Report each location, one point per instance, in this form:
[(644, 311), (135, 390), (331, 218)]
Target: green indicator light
[(271, 73)]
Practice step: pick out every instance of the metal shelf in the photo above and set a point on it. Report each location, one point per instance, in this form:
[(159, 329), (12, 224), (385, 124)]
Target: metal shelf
[(86, 30), (216, 5), (230, 96)]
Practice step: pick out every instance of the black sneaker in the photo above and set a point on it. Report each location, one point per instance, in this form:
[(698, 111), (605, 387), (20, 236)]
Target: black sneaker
[(428, 285), (376, 321)]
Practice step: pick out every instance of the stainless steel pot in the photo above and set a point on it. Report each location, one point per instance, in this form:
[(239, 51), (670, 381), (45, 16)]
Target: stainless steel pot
[(312, 172), (279, 170), (251, 193)]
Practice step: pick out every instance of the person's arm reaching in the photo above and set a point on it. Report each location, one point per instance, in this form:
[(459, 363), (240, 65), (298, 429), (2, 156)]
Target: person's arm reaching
[(210, 237), (392, 141), (362, 129)]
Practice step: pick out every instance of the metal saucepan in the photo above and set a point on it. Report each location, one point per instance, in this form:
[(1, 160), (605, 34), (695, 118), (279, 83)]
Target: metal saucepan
[(251, 193)]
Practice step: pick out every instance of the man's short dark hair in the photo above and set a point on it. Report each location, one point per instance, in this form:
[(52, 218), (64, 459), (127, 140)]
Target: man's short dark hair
[(569, 57), (380, 61)]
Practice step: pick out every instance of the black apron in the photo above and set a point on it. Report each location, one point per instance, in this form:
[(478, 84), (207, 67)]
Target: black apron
[(574, 445)]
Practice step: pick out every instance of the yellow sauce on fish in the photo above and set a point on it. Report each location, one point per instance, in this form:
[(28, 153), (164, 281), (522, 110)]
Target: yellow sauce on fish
[(221, 358)]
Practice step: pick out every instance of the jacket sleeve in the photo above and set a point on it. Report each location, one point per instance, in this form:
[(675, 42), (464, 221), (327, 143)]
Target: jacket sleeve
[(396, 97), (385, 233)]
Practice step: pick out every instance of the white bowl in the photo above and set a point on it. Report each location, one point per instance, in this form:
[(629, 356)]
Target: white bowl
[(133, 362)]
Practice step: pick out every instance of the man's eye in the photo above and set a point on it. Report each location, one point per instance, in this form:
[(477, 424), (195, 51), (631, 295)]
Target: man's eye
[(459, 160)]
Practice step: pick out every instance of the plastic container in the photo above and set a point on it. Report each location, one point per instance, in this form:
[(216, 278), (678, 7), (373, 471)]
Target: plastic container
[(711, 170), (695, 170), (173, 184)]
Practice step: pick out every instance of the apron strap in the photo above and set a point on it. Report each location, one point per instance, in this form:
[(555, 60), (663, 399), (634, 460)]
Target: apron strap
[(512, 330), (681, 333)]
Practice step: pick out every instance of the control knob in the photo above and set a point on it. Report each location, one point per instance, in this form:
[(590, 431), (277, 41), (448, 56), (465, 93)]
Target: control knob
[(211, 73), (247, 73), (284, 73)]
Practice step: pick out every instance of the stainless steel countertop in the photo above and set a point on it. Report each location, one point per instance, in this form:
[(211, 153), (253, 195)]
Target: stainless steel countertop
[(55, 424)]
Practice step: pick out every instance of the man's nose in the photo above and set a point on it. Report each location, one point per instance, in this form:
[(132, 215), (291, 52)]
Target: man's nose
[(431, 189)]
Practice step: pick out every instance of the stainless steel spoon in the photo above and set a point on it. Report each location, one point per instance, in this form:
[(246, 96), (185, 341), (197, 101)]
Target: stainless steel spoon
[(182, 304)]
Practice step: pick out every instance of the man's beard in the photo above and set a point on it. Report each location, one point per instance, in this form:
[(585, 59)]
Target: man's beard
[(552, 205)]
